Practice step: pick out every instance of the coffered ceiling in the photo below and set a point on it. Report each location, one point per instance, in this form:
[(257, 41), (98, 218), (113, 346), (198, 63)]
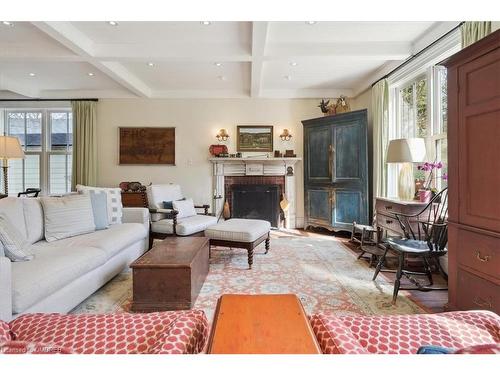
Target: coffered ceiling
[(203, 59)]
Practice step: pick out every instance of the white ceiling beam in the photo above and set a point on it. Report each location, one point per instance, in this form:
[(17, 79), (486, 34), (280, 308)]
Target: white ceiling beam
[(18, 88), (352, 50), (72, 38), (259, 38)]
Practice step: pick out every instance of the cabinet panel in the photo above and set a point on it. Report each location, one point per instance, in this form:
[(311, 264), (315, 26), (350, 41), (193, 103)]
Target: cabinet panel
[(318, 154), (477, 293), (346, 151), (318, 205), (347, 208)]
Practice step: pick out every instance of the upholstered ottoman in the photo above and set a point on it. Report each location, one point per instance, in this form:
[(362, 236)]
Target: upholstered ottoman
[(169, 332), (240, 233)]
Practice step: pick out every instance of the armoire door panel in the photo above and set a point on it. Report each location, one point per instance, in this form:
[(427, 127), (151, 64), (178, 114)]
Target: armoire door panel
[(318, 158), (319, 206), (347, 208), (346, 148)]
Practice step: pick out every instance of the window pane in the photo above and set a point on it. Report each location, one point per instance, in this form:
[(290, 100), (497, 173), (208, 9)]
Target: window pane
[(15, 176), (407, 113), (443, 86), (32, 171), (15, 125), (34, 131), (421, 104), (61, 131), (442, 155), (59, 176)]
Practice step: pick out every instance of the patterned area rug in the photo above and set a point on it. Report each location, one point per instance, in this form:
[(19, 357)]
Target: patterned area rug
[(321, 270)]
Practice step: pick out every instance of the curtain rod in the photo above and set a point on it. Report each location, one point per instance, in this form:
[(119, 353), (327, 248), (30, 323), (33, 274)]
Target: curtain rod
[(48, 100), (404, 63)]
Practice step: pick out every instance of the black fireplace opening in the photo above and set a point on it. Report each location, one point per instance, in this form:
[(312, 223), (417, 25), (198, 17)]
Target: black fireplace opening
[(256, 202)]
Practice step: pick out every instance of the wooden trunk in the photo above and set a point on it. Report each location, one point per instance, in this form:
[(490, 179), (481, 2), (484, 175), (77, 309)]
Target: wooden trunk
[(170, 275), (474, 170)]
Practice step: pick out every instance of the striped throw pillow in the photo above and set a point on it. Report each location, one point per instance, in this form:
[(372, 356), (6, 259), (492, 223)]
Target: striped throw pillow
[(15, 246), (67, 216), (114, 198)]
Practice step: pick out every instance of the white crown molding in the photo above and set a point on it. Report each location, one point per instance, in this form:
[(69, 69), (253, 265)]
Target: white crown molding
[(304, 93)]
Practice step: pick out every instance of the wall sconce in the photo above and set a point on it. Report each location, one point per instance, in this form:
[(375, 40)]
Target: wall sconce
[(222, 135), (285, 136)]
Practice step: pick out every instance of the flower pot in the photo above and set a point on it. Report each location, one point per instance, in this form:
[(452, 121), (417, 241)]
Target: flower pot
[(424, 195)]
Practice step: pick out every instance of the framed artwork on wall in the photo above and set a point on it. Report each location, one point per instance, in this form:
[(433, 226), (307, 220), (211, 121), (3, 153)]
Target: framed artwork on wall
[(255, 138), (144, 145)]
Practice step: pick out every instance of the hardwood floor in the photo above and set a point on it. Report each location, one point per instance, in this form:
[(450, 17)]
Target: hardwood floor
[(432, 301)]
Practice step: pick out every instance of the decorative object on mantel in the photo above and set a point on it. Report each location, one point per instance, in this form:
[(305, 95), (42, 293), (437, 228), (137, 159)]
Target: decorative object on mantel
[(143, 145), (10, 148), (406, 151), (217, 150), (285, 135), (428, 190), (277, 154), (289, 154), (222, 136), (255, 138)]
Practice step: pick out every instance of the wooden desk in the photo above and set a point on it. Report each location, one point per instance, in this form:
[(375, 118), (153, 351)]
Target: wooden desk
[(386, 207), (261, 324)]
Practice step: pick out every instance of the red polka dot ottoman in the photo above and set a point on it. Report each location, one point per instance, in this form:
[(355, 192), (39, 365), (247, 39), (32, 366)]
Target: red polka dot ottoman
[(404, 334), (169, 332)]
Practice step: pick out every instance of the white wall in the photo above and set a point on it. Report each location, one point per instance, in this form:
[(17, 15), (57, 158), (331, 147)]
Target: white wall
[(197, 121)]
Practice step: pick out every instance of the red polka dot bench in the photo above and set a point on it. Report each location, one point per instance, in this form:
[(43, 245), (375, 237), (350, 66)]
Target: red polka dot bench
[(404, 334), (170, 332)]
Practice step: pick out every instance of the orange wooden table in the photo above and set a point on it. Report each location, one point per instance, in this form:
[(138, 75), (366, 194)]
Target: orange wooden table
[(261, 324)]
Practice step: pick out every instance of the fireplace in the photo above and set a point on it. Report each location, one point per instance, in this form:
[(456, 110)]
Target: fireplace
[(256, 202)]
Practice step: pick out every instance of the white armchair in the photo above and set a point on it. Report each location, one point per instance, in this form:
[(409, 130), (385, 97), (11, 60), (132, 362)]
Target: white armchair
[(164, 221)]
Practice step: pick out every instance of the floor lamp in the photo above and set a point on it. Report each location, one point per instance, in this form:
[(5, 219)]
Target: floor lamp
[(10, 148), (406, 151)]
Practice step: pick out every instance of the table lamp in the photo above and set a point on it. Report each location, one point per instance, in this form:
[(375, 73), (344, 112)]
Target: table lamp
[(406, 151), (10, 148)]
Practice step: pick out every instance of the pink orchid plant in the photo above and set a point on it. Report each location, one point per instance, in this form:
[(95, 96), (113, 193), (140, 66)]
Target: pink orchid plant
[(431, 167)]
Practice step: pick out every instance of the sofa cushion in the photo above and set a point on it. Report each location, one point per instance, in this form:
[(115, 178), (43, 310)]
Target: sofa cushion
[(4, 331), (157, 194), (67, 216), (238, 230), (111, 241), (114, 199), (185, 208), (33, 216), (185, 226), (15, 246), (99, 200), (12, 208), (168, 332), (51, 269)]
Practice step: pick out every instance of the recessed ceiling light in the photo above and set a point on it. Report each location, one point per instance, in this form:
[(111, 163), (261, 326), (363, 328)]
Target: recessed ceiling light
[(113, 23), (90, 74), (32, 74), (288, 78), (218, 64), (310, 22), (206, 23), (222, 78), (293, 63), (151, 64), (7, 23)]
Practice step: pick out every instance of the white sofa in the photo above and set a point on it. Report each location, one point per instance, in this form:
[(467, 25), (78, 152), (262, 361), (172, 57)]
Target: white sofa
[(65, 272)]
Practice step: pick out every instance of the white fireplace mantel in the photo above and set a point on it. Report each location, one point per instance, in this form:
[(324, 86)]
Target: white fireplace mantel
[(259, 166)]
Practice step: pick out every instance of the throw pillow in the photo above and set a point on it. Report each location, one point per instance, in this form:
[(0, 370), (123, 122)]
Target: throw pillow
[(168, 205), (114, 197), (67, 216), (185, 208), (99, 200), (15, 246)]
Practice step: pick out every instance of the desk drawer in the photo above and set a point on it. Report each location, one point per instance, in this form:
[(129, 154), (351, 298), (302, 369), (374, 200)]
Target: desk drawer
[(388, 208), (389, 223), (479, 252), (477, 293)]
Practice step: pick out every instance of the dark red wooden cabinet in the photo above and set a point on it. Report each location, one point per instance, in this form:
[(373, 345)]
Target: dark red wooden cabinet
[(474, 176)]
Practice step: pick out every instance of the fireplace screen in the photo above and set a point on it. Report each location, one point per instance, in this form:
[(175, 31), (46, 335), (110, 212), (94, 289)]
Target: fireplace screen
[(256, 202)]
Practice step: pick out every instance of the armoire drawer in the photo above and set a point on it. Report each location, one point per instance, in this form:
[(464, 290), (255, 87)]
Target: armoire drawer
[(477, 293), (479, 252)]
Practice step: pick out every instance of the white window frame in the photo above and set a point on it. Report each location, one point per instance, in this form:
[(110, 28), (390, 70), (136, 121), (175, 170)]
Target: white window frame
[(45, 152), (50, 152)]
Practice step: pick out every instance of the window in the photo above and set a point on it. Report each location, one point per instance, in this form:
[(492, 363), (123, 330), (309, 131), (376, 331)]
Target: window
[(47, 138)]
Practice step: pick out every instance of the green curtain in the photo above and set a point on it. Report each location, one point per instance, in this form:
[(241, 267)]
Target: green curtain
[(380, 110), (84, 143), (473, 31)]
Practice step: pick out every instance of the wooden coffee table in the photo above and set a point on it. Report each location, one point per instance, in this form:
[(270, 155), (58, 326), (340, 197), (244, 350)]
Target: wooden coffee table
[(170, 275), (261, 324)]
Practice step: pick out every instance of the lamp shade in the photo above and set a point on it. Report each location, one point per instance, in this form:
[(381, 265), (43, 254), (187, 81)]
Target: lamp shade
[(10, 148), (406, 150)]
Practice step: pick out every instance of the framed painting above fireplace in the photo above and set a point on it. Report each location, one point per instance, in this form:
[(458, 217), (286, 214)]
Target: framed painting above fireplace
[(255, 138)]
